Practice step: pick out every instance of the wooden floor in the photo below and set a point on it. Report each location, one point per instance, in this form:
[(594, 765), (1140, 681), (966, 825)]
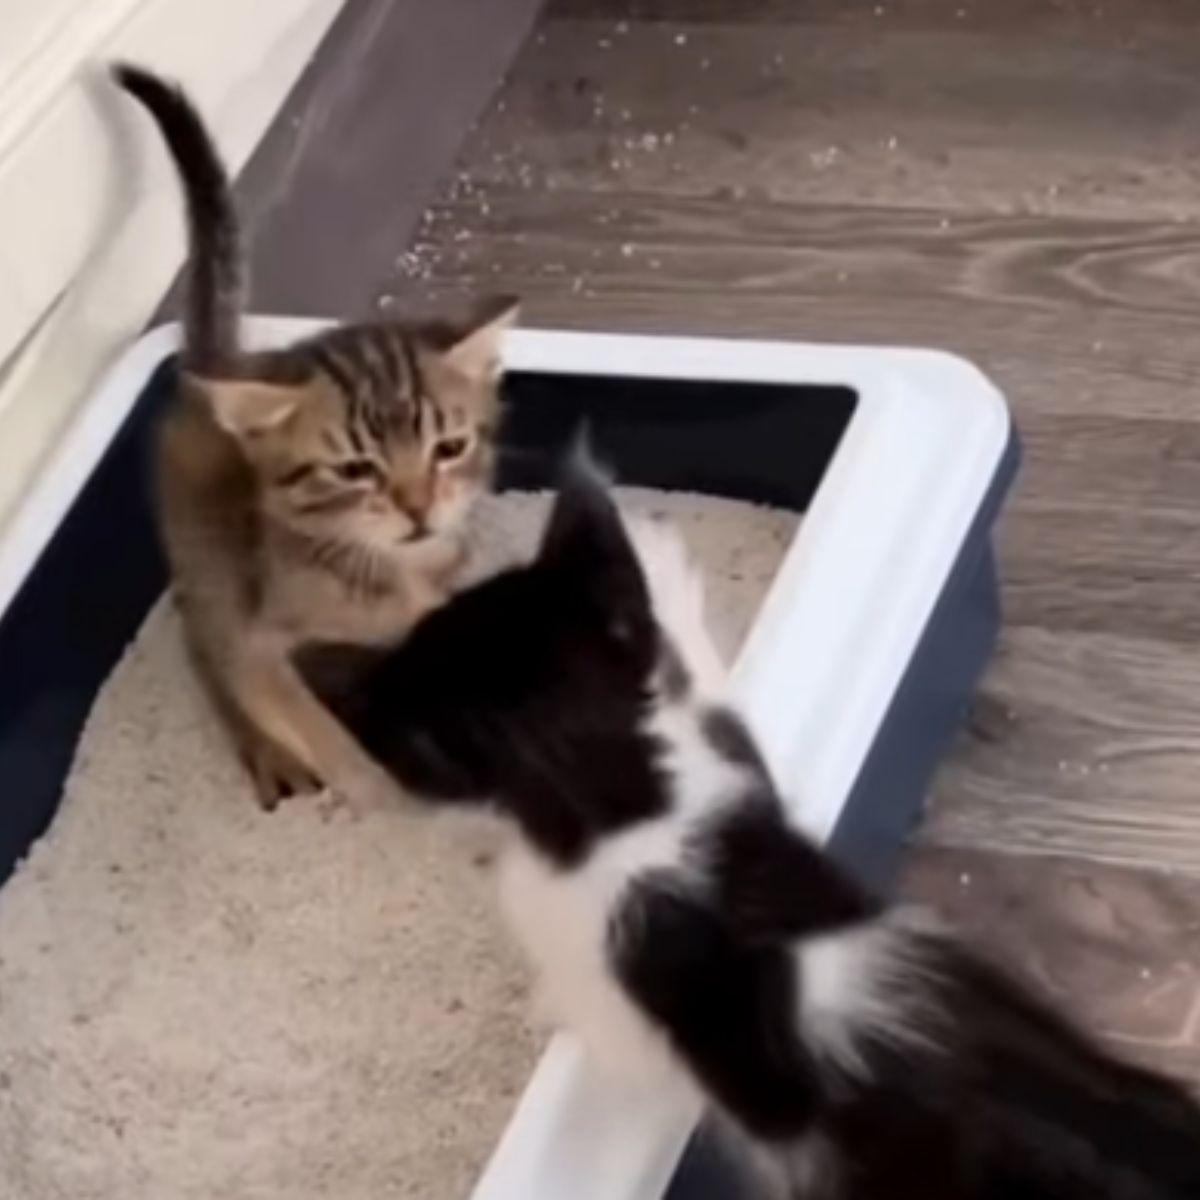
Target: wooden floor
[(1017, 181)]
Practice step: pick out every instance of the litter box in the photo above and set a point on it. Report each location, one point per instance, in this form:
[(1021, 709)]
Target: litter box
[(857, 671)]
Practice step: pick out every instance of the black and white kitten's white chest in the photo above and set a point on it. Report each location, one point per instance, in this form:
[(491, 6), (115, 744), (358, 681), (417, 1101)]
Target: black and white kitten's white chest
[(569, 919)]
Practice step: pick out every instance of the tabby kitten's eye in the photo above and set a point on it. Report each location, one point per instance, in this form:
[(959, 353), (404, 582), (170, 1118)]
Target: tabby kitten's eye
[(355, 470), (450, 449)]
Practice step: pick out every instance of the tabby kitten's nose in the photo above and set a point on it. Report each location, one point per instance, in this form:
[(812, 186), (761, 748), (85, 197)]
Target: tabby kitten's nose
[(417, 516)]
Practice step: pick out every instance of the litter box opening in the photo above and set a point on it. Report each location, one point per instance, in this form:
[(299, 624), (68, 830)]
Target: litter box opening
[(102, 569), (768, 443)]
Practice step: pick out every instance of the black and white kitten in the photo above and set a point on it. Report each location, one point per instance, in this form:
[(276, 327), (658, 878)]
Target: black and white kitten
[(674, 916)]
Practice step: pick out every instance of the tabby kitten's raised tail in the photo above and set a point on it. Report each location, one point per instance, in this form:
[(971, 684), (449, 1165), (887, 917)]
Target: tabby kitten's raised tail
[(688, 932), (312, 492)]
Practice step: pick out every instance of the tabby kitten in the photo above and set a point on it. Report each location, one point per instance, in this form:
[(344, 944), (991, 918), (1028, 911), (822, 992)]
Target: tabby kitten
[(313, 492), (681, 926)]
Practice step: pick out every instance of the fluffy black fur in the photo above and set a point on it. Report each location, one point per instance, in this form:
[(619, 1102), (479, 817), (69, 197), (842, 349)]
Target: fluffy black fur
[(533, 690)]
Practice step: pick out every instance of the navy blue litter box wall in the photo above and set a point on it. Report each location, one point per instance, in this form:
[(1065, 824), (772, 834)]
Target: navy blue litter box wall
[(68, 625)]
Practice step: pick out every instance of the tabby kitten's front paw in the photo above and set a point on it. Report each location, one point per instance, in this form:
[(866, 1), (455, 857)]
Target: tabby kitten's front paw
[(278, 777)]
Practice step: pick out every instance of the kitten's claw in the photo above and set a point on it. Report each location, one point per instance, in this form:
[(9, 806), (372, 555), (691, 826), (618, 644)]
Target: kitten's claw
[(278, 778)]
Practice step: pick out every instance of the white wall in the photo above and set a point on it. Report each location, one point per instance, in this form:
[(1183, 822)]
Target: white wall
[(90, 228)]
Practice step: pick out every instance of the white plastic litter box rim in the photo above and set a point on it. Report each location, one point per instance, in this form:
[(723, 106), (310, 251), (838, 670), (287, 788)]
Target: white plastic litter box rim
[(828, 649)]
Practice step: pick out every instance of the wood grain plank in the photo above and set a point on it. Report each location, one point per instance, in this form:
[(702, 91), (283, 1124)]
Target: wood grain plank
[(1082, 565), (1073, 318), (1037, 262), (1117, 947), (1080, 18), (832, 113), (1099, 756)]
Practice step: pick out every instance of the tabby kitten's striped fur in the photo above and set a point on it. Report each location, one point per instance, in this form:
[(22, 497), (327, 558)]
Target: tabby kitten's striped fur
[(315, 492)]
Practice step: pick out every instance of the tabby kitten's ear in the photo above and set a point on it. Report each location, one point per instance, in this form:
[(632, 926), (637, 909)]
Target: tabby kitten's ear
[(475, 352), (245, 407)]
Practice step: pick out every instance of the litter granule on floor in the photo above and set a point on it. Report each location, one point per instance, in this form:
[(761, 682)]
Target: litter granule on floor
[(200, 1001)]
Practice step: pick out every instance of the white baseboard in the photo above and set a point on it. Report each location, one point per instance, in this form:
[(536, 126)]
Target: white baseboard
[(90, 229)]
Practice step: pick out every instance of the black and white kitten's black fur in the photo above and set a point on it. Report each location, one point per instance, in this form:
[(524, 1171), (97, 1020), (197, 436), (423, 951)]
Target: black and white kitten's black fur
[(675, 917)]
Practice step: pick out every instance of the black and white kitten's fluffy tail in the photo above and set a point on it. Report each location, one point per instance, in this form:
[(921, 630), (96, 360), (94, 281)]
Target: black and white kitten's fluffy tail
[(216, 266)]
